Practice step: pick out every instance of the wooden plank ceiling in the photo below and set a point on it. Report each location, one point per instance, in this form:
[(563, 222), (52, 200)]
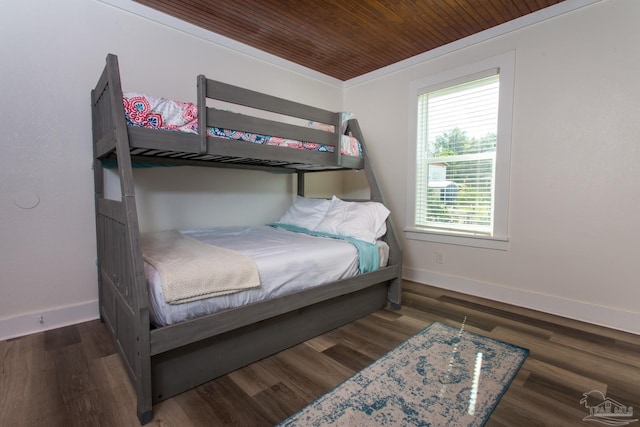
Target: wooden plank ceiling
[(346, 38)]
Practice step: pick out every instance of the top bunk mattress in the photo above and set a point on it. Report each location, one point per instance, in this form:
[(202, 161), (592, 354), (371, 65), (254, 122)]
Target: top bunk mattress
[(160, 113)]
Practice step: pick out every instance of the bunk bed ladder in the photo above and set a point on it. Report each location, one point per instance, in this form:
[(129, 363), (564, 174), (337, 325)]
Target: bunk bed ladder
[(202, 113), (124, 305), (395, 253)]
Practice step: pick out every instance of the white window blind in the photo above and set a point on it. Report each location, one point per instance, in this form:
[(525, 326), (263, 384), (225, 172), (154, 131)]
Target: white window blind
[(457, 128)]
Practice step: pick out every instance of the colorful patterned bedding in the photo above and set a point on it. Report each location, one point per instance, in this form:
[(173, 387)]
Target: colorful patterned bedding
[(160, 113)]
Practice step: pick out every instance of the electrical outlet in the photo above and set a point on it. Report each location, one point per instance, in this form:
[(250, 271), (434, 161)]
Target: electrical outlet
[(439, 257)]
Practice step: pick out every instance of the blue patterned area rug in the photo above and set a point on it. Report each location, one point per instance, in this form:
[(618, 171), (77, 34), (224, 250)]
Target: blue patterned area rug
[(442, 376)]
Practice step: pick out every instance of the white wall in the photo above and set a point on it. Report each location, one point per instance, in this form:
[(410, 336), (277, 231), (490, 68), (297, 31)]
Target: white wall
[(53, 53), (575, 174)]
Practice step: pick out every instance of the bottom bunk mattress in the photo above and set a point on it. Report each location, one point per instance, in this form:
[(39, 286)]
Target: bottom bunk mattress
[(286, 261)]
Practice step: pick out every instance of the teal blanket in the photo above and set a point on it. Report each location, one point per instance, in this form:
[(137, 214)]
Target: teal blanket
[(368, 256)]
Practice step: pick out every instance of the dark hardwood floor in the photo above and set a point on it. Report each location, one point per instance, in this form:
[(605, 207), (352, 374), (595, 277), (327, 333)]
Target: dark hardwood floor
[(72, 377)]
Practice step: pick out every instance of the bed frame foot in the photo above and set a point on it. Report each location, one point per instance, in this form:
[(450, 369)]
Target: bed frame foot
[(145, 417), (395, 306)]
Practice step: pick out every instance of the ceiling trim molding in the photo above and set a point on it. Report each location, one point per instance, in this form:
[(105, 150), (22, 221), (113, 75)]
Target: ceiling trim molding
[(499, 30)]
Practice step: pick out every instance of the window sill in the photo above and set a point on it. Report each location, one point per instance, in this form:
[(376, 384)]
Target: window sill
[(460, 239)]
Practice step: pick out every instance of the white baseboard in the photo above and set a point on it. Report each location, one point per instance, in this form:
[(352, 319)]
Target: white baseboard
[(31, 323), (586, 312)]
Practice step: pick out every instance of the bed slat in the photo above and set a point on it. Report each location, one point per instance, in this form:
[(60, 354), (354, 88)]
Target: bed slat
[(230, 120), (249, 98)]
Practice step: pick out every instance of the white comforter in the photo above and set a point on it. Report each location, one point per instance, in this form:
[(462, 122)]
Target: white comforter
[(286, 261)]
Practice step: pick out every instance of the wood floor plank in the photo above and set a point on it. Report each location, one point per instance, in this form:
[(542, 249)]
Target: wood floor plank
[(556, 389), (350, 338), (511, 412), (198, 405), (626, 378), (626, 353), (420, 315), (321, 343), (295, 378), (43, 371), (72, 372), (174, 412), (96, 342), (487, 319), (114, 390), (571, 379), (401, 330), (449, 311), (391, 315), (527, 405), (61, 337), (348, 357), (254, 379), (327, 372), (16, 375), (368, 329), (231, 405), (413, 325), (279, 401)]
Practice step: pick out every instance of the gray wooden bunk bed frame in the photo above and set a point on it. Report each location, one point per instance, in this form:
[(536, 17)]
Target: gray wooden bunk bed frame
[(164, 361)]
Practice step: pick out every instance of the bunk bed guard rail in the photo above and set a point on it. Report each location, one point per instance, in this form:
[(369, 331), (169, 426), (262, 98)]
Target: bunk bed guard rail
[(213, 117)]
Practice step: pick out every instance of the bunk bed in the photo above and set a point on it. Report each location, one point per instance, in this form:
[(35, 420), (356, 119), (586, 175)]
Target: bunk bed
[(164, 360)]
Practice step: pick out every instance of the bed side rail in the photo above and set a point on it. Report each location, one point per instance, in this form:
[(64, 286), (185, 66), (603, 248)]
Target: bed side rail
[(212, 117)]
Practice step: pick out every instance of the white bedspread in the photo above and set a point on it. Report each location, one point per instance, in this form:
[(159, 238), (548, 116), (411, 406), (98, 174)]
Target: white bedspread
[(287, 262)]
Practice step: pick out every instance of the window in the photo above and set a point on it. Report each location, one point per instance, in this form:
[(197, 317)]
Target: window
[(459, 174)]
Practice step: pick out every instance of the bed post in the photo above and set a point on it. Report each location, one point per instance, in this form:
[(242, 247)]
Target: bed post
[(124, 299), (395, 253), (202, 112), (300, 183), (340, 130), (98, 185)]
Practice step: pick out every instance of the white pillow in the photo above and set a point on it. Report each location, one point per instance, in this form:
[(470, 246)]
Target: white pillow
[(305, 213), (360, 220)]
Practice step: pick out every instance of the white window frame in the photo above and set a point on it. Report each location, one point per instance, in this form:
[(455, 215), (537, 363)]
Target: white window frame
[(499, 237)]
